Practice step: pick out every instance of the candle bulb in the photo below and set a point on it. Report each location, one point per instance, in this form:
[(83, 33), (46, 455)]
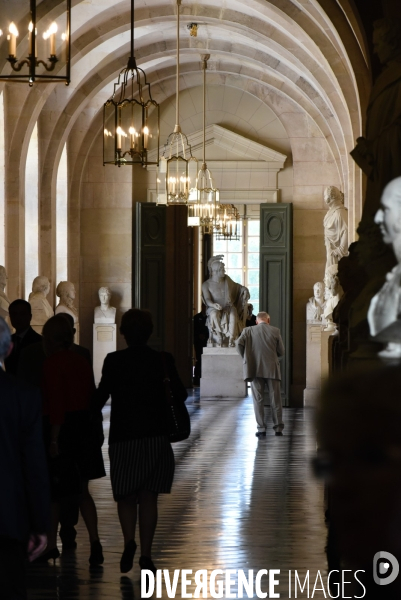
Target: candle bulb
[(52, 32), (119, 132), (30, 29), (132, 132), (145, 136), (12, 39)]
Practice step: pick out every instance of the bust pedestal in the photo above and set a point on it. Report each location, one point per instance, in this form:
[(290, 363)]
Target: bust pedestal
[(104, 342), (222, 374), (317, 361)]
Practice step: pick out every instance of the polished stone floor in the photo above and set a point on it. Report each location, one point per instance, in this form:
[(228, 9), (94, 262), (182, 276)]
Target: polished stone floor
[(237, 503)]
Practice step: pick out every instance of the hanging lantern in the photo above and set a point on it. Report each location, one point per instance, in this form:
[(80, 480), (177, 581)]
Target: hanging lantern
[(227, 224), (38, 46), (176, 174), (130, 116), (202, 212)]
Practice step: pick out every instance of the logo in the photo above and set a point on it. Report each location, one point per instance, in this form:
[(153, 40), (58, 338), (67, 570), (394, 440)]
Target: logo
[(385, 568)]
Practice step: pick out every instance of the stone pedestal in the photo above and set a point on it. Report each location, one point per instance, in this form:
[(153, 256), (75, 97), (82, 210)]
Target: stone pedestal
[(104, 342), (317, 362), (222, 374)]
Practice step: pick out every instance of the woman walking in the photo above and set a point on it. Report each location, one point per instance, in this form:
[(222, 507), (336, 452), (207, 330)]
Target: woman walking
[(71, 436), (141, 457)]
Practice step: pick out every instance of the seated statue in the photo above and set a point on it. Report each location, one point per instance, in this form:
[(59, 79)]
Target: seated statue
[(41, 309), (226, 304), (315, 305), (105, 313)]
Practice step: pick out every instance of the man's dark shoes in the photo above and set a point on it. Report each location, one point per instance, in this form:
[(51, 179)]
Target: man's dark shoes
[(96, 558), (260, 434), (127, 559), (279, 433)]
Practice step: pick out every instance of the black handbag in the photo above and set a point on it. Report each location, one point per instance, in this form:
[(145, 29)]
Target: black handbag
[(179, 427)]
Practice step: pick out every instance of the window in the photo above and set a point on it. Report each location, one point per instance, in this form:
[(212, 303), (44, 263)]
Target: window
[(242, 258), (31, 213), (2, 183), (61, 219)]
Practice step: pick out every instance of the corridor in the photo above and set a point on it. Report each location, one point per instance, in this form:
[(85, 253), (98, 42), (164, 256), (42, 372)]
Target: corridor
[(237, 503)]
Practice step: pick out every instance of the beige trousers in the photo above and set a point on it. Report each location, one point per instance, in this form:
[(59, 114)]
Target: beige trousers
[(257, 387)]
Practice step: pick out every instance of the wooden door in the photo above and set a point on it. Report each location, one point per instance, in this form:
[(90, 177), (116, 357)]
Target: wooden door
[(276, 278)]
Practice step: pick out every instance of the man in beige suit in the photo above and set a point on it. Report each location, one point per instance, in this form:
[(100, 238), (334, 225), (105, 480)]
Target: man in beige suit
[(260, 348)]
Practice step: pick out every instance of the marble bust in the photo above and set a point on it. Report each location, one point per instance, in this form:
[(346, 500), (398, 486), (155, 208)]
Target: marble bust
[(105, 313), (66, 292), (41, 309), (332, 296), (384, 315), (315, 305), (4, 301), (226, 305), (335, 225)]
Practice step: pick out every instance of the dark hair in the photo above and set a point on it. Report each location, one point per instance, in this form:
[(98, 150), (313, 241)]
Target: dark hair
[(136, 326), (58, 331), (20, 302), (67, 317)]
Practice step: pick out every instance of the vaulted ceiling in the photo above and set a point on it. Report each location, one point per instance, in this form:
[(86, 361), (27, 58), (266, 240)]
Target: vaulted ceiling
[(292, 55)]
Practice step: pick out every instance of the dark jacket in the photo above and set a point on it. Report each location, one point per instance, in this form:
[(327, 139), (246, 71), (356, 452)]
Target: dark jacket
[(32, 359), (25, 497), (134, 379), (31, 337)]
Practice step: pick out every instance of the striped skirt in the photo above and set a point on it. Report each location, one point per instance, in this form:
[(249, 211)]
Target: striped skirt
[(141, 464)]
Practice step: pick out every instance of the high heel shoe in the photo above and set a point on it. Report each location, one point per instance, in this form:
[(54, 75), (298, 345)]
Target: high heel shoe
[(127, 559), (49, 555), (96, 557), (147, 563)]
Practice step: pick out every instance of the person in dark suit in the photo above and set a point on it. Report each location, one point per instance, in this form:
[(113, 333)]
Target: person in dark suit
[(32, 358), (201, 336), (25, 496), (30, 370), (141, 458), (251, 318), (20, 317)]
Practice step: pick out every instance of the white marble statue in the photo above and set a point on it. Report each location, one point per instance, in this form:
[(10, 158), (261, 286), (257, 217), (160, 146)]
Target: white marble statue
[(384, 315), (226, 305), (41, 309), (4, 301), (316, 304), (335, 231), (332, 297), (105, 313), (66, 292)]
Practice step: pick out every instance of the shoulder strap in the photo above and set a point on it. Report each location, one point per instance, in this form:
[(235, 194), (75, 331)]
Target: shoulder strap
[(166, 380)]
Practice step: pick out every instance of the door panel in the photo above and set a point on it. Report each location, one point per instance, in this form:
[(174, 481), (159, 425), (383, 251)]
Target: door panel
[(276, 278), (150, 266)]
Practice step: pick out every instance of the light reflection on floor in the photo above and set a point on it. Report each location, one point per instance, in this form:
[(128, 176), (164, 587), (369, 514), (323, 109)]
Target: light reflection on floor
[(237, 503)]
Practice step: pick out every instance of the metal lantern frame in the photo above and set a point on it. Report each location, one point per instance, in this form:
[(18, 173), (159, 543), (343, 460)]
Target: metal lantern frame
[(228, 221), (203, 212), (131, 102), (32, 61), (177, 166)]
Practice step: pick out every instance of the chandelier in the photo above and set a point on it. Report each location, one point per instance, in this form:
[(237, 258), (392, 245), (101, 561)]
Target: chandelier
[(44, 43), (227, 223), (203, 212), (130, 117), (176, 174)]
